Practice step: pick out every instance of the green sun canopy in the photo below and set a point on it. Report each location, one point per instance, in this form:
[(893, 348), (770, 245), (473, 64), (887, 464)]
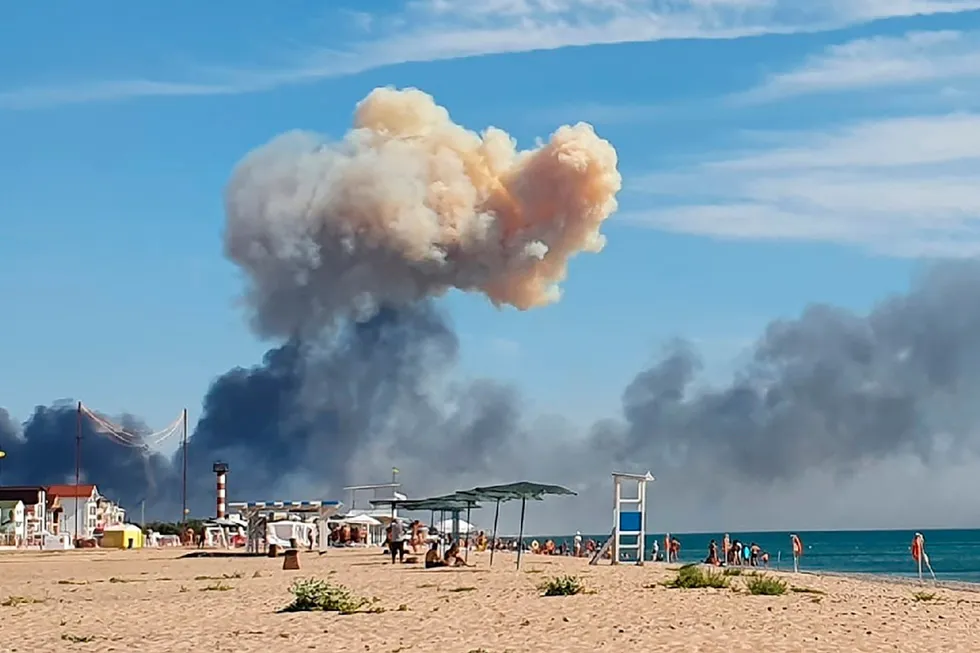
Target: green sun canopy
[(521, 490), (448, 503)]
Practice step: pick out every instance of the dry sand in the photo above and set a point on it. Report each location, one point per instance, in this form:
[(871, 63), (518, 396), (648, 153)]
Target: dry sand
[(151, 601)]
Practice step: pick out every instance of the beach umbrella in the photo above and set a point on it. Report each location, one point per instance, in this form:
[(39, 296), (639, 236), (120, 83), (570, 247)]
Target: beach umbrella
[(451, 503), (522, 490)]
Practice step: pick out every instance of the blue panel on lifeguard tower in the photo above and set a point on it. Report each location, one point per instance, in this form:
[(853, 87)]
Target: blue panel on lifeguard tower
[(629, 522)]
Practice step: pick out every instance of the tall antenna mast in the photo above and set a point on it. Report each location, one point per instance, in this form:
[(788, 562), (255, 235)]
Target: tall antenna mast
[(78, 462), (183, 511)]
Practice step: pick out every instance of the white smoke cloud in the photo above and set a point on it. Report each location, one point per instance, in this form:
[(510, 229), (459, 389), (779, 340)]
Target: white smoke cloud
[(408, 205)]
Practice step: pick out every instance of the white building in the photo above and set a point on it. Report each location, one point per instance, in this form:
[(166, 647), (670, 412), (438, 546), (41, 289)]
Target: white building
[(13, 523), (94, 511), (35, 503)]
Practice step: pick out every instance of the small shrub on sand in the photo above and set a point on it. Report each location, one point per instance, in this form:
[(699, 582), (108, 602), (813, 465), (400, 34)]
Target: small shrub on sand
[(732, 571), (766, 586), (694, 577), (312, 594), (562, 586), (924, 596)]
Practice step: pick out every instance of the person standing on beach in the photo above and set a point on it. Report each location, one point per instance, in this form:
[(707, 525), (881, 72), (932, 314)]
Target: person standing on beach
[(797, 550), (396, 544), (726, 546), (577, 543)]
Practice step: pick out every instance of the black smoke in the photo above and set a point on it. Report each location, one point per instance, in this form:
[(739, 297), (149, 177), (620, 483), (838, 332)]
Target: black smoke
[(313, 417), (831, 391), (43, 452)]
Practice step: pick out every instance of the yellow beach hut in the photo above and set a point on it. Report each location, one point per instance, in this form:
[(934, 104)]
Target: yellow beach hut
[(122, 536)]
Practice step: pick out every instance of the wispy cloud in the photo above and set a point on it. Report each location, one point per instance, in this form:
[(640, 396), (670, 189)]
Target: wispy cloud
[(878, 62), (431, 30), (907, 187)]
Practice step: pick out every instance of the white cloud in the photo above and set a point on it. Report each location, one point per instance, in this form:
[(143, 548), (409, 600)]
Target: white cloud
[(431, 30), (907, 187), (878, 62)]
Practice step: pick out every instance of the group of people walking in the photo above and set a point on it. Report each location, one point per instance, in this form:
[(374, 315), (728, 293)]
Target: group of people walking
[(731, 553), (737, 553)]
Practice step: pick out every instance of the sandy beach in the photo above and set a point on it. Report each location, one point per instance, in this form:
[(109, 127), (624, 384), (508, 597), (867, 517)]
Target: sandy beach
[(154, 601)]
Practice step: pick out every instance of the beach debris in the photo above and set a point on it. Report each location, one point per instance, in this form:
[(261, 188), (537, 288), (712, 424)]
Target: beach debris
[(290, 561)]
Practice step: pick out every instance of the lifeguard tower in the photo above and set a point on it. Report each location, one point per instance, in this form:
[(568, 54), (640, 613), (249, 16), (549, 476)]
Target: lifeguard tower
[(628, 537)]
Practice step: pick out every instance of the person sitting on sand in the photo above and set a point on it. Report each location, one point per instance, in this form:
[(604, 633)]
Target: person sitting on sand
[(712, 558), (452, 558), (432, 559)]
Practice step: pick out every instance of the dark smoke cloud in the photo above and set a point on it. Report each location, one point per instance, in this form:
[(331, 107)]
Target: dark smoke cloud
[(829, 393), (43, 452), (344, 246), (313, 417), (317, 416)]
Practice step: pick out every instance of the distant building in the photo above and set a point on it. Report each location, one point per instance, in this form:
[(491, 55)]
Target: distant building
[(108, 513), (94, 511), (35, 500), (13, 524)]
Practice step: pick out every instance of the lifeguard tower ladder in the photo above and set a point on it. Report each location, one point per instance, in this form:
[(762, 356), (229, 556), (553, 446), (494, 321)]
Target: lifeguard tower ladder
[(629, 519)]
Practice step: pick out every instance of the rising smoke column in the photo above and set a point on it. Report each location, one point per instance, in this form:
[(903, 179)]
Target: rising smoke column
[(344, 245), (42, 452), (407, 206), (830, 391)]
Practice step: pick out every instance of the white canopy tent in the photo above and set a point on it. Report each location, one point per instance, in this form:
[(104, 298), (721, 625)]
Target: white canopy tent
[(446, 526), (259, 514), (361, 520), (375, 527)]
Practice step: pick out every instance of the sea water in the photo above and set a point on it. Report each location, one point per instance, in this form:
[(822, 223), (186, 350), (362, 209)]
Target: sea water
[(954, 554)]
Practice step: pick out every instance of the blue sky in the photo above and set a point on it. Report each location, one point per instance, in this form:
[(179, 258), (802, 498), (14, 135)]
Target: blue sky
[(773, 155)]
